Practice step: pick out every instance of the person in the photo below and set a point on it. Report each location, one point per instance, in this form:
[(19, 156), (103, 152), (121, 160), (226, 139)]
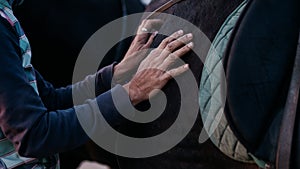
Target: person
[(39, 121)]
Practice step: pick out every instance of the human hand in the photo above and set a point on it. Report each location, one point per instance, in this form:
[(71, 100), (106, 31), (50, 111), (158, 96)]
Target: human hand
[(153, 72), (137, 50)]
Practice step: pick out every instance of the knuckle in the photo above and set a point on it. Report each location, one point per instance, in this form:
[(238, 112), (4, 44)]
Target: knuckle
[(177, 34), (167, 63), (170, 46), (184, 38), (165, 41), (155, 52), (187, 37), (170, 74), (170, 39), (183, 50), (161, 79), (186, 48), (172, 56)]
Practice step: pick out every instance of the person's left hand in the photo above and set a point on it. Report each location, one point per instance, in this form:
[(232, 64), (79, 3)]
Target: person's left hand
[(137, 50)]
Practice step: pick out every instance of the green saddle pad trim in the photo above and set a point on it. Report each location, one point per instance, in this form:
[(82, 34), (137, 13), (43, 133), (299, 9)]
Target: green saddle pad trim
[(211, 98)]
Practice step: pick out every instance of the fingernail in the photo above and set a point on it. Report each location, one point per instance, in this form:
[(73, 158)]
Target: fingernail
[(180, 32), (186, 66), (155, 33), (190, 35), (190, 45)]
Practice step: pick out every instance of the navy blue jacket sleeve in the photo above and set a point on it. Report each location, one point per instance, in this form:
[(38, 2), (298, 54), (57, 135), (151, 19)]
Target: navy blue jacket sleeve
[(61, 98), (25, 120)]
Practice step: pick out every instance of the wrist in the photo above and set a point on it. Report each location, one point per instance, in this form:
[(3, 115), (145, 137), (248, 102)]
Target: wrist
[(121, 74), (117, 73), (133, 94)]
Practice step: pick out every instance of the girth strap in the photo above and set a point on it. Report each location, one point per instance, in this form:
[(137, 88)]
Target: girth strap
[(284, 148)]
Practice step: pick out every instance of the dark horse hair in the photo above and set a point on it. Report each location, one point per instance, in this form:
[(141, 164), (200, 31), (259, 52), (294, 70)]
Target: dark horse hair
[(208, 16)]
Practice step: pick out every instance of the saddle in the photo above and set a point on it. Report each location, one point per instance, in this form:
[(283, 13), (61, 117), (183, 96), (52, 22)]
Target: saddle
[(259, 63)]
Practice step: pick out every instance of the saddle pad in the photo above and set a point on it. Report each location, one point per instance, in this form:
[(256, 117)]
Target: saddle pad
[(210, 93)]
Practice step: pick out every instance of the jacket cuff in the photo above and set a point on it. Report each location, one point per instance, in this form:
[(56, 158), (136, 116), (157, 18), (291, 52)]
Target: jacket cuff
[(114, 102), (104, 78)]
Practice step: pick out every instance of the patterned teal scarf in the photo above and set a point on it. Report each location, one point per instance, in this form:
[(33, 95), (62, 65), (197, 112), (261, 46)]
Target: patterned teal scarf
[(14, 2), (7, 13)]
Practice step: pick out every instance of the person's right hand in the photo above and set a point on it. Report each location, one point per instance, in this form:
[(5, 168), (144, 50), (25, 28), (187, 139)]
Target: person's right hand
[(153, 72)]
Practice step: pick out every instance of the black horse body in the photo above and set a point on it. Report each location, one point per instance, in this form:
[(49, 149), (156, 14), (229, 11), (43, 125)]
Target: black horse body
[(208, 16), (258, 64), (189, 153)]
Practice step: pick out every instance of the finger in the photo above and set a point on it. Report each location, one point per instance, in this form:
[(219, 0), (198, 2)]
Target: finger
[(176, 44), (142, 37), (179, 42), (175, 55), (185, 49), (153, 24), (150, 25), (150, 40), (146, 29), (175, 72), (169, 39)]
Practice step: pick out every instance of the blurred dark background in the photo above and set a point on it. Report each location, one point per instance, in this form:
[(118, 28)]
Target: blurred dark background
[(58, 29)]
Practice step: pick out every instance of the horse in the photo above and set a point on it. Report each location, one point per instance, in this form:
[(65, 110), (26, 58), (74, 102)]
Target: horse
[(189, 153), (256, 125), (208, 16)]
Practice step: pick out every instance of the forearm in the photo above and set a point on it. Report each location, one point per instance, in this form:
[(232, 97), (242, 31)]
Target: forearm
[(78, 93), (62, 130)]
